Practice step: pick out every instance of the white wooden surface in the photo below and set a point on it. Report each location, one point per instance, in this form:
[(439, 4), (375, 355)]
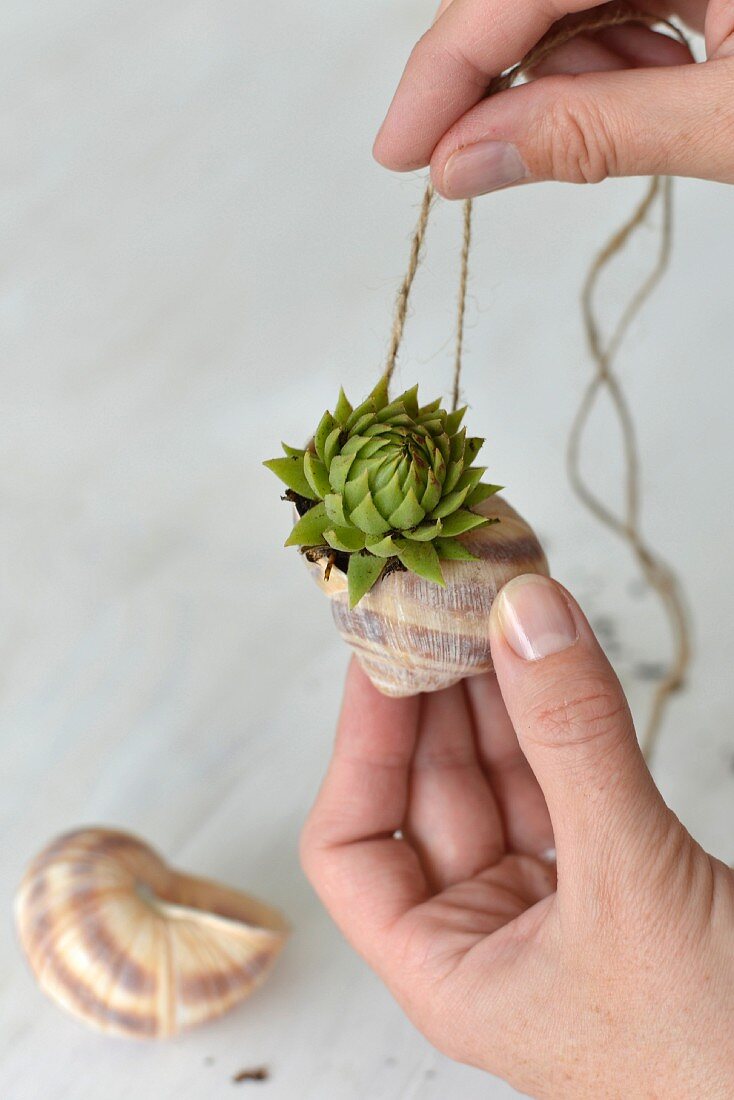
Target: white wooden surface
[(196, 250)]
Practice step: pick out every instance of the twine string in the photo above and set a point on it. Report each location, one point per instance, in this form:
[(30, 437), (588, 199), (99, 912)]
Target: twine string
[(463, 283), (401, 302), (656, 572)]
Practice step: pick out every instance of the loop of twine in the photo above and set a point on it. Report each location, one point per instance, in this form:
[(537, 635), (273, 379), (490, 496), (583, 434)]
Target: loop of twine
[(660, 577), (401, 304)]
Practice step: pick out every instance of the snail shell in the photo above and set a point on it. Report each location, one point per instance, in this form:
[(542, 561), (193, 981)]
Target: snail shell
[(132, 947), (411, 635)]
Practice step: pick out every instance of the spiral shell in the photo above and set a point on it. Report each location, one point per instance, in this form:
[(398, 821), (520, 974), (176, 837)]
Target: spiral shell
[(411, 635), (133, 947)]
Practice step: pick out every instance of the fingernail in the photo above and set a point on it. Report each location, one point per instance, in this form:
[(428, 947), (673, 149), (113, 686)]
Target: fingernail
[(483, 167), (535, 618)]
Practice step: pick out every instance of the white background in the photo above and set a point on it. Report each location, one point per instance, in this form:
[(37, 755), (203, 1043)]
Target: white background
[(196, 250)]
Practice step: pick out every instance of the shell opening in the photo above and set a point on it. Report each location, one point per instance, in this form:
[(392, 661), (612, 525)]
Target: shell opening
[(184, 894)]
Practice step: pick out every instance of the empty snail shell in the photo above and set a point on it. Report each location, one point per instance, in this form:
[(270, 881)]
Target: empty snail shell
[(133, 947), (411, 635)]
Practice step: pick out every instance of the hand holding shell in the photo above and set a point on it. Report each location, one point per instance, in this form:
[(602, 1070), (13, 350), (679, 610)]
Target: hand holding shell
[(411, 635)]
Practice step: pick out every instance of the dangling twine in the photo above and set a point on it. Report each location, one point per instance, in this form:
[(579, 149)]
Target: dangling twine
[(657, 573), (401, 304), (463, 281)]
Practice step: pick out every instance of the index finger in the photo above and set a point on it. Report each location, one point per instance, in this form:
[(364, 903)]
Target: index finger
[(451, 66), (366, 877)]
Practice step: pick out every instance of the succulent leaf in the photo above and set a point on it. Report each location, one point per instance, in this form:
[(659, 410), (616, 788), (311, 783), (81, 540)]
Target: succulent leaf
[(453, 473), (290, 470), (343, 409), (346, 539), (309, 531), (450, 503), (457, 446), (379, 393), (410, 402), (316, 475), (354, 444), (453, 550), (331, 445), (481, 493), (372, 446), (431, 408), (426, 532), (324, 430), (335, 509), (339, 470), (395, 413), (356, 489), (471, 478), (461, 522), (421, 558), (389, 497), (382, 547), (367, 518), (472, 449), (408, 515), (386, 480), (432, 494), (454, 419), (363, 572)]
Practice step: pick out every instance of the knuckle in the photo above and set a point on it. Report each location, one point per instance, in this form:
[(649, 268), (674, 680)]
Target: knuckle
[(432, 56), (578, 135), (420, 951), (423, 55), (586, 712), (444, 758), (377, 754)]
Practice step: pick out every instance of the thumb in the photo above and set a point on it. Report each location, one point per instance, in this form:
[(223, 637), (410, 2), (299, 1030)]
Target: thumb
[(581, 129), (573, 725)]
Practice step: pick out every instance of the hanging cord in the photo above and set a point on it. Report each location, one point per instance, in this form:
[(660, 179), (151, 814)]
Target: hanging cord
[(463, 282), (401, 304), (657, 573)]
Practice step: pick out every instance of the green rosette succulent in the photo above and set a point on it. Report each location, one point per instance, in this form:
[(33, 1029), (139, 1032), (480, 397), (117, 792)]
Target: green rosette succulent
[(386, 482)]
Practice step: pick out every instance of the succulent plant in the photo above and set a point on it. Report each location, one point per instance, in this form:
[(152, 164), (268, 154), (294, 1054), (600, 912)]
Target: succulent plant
[(386, 482)]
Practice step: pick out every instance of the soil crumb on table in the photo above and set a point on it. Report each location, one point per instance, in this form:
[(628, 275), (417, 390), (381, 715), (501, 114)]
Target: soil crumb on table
[(259, 1073)]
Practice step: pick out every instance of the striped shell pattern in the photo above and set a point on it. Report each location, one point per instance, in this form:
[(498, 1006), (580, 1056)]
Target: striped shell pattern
[(133, 947), (411, 635)]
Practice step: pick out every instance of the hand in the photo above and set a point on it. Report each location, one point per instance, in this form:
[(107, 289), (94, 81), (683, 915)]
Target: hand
[(629, 102), (429, 846)]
